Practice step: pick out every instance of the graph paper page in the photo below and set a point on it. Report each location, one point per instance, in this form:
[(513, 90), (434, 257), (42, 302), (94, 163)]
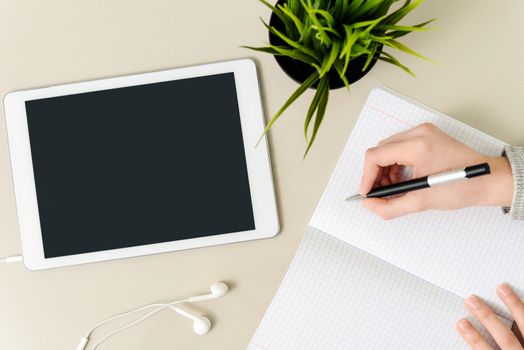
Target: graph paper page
[(335, 296), (468, 251)]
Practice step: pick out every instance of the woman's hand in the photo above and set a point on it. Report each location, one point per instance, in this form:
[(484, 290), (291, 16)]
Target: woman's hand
[(502, 335), (428, 150)]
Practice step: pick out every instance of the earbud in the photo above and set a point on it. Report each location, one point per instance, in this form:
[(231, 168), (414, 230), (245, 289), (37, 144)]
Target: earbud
[(218, 289), (201, 324)]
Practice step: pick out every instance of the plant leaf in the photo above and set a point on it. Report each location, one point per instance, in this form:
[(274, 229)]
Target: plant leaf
[(287, 22), (361, 24), (342, 75), (327, 16), (354, 5), (352, 36), (321, 34), (314, 104), (286, 51), (291, 42), (269, 50), (334, 31), (390, 59), (364, 9), (402, 28), (384, 8), (328, 61), (405, 9), (365, 33), (297, 55), (303, 87), (339, 10), (359, 50), (399, 33), (298, 23), (296, 7), (397, 45), (321, 111), (371, 55)]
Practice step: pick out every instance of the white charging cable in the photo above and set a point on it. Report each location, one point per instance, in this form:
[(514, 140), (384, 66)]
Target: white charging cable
[(11, 259)]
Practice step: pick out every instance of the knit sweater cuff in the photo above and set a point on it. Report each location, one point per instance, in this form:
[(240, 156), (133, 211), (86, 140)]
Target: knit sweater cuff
[(515, 156)]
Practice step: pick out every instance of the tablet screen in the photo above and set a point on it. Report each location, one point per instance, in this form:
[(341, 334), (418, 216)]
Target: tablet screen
[(139, 165)]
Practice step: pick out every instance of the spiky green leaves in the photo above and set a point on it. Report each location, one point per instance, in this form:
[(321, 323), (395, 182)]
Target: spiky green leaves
[(328, 35), (313, 78)]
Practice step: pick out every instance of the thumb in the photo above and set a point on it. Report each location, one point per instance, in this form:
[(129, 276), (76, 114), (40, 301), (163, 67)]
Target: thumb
[(394, 207)]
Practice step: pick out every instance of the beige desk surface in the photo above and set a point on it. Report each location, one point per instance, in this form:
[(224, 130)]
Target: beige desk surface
[(479, 79)]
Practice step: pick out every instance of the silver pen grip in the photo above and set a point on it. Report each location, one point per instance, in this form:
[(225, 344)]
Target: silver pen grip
[(446, 177)]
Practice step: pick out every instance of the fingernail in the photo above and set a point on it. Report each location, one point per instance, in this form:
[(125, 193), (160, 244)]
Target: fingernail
[(504, 289), (465, 326), (473, 302)]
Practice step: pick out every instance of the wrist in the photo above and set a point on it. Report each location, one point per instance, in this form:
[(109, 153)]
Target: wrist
[(497, 187)]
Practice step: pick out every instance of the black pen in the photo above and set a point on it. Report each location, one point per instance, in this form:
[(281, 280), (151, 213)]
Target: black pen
[(426, 181)]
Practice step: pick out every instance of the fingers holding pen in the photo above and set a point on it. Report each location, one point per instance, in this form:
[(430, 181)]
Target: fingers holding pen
[(390, 208), (393, 152), (380, 157)]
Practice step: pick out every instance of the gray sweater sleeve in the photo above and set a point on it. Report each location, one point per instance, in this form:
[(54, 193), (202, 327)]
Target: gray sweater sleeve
[(515, 156)]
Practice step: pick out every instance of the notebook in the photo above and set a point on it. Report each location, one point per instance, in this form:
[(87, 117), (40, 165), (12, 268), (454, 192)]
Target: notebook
[(358, 282)]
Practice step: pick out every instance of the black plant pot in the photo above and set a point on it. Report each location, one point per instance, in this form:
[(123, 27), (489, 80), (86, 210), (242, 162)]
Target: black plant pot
[(300, 71)]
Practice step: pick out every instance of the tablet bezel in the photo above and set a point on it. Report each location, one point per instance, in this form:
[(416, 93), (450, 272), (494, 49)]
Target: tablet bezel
[(257, 160)]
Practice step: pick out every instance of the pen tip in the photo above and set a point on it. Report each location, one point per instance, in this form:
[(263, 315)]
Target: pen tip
[(354, 197)]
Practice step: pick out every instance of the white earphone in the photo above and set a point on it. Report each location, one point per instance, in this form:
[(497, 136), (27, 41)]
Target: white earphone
[(201, 324), (218, 289)]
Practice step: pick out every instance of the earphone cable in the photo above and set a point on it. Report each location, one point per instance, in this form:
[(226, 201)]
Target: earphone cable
[(119, 316), (163, 306)]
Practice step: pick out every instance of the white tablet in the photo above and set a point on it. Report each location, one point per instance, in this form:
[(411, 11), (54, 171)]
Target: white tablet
[(140, 164)]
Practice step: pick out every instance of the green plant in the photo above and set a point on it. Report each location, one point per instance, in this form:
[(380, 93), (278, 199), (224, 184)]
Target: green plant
[(328, 35)]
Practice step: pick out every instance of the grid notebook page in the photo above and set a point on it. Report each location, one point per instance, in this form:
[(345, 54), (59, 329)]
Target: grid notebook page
[(468, 251), (335, 296)]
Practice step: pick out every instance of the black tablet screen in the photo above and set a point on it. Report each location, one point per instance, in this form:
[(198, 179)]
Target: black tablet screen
[(139, 165)]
